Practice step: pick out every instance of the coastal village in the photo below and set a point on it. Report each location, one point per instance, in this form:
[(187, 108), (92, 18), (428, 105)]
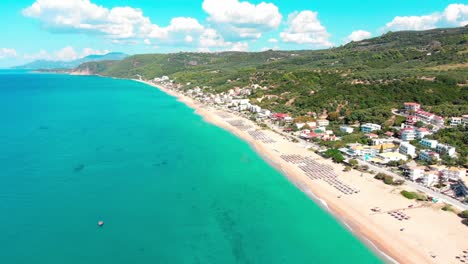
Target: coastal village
[(390, 179), (406, 150)]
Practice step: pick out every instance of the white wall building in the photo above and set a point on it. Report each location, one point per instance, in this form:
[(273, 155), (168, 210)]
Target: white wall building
[(323, 122), (442, 149), (430, 179), (407, 149), (346, 129), (429, 143), (422, 132), (415, 173), (453, 173), (427, 155), (369, 127), (408, 134)]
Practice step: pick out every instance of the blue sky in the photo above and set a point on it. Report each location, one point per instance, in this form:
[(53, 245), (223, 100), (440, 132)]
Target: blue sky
[(69, 29)]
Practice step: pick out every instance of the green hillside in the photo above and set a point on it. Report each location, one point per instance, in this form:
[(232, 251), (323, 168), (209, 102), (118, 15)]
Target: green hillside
[(360, 80)]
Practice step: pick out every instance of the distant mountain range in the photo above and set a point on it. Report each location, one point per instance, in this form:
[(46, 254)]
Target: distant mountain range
[(47, 65)]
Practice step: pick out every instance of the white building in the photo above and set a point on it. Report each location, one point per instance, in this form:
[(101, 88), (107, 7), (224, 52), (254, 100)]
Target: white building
[(430, 179), (391, 156), (264, 113), (427, 155), (455, 121), (346, 129), (453, 174), (428, 143), (323, 122), (408, 134), (415, 173), (380, 141), (255, 109), (407, 149), (369, 127), (422, 132), (412, 107), (445, 149)]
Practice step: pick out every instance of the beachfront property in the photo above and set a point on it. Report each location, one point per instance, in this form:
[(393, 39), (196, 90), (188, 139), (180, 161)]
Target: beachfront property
[(412, 107), (453, 173), (369, 127), (359, 150), (429, 179), (264, 113), (445, 149), (391, 156), (428, 143), (281, 117), (414, 172), (346, 129), (407, 149), (408, 134), (428, 155)]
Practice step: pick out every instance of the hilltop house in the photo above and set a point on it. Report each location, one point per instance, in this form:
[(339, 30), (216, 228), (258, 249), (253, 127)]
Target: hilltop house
[(412, 107), (369, 127)]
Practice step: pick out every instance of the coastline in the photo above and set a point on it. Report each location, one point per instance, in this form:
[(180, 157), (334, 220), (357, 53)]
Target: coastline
[(378, 232)]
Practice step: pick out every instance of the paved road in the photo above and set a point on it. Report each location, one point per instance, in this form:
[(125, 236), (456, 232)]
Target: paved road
[(440, 196)]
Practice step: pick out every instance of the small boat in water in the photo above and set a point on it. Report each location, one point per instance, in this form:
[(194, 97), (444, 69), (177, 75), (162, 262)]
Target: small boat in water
[(100, 223)]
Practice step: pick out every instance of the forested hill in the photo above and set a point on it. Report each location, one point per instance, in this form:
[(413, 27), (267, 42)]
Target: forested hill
[(360, 80)]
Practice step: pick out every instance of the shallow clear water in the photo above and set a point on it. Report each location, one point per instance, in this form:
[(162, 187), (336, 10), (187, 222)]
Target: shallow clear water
[(170, 187)]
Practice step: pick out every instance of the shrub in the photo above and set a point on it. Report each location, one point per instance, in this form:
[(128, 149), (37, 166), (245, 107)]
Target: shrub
[(379, 176), (398, 182), (447, 208), (409, 195), (464, 214), (347, 168), (388, 180)]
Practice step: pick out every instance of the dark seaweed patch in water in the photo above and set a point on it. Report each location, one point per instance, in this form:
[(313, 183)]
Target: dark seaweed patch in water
[(79, 168), (162, 163), (227, 224)]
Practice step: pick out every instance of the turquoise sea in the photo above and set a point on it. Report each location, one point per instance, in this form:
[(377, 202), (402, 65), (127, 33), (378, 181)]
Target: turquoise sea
[(170, 187)]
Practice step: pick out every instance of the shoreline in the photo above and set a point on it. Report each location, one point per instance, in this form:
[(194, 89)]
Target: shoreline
[(385, 242)]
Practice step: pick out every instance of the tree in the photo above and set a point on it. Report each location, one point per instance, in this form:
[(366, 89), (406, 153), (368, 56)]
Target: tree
[(381, 149), (419, 124), (335, 155), (333, 116)]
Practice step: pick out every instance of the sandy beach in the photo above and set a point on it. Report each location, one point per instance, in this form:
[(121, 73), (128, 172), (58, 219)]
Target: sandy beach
[(404, 231)]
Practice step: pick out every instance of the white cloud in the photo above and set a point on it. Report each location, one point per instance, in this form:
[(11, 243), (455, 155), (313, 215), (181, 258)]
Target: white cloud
[(413, 22), (305, 28), (358, 35), (242, 20), (65, 54), (453, 15), (273, 40), (147, 41), (456, 14), (211, 40), (118, 23), (7, 53)]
